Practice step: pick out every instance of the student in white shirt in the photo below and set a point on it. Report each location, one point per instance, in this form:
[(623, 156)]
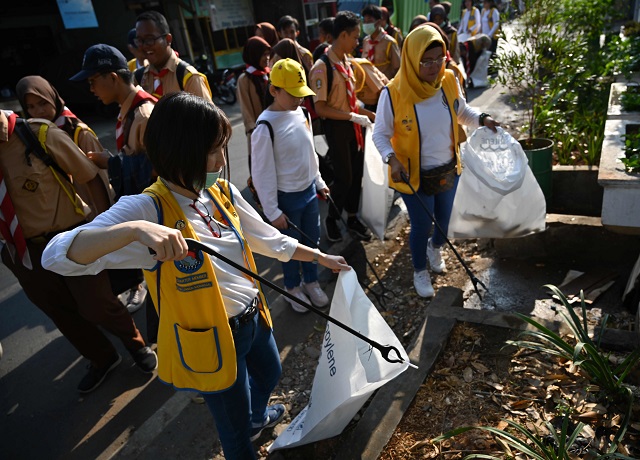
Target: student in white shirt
[(491, 22), (470, 24), (285, 174)]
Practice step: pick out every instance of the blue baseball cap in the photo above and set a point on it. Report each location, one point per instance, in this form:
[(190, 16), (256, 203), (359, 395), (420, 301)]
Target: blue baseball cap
[(100, 58)]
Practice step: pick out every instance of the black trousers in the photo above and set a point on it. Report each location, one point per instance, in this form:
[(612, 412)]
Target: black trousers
[(348, 164)]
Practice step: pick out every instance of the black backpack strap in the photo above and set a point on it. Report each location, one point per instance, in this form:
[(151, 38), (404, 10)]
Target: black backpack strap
[(181, 70), (138, 74), (269, 127), (327, 62), (306, 113), (32, 144)]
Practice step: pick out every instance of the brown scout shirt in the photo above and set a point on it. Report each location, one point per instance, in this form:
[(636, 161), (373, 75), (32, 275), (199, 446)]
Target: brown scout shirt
[(195, 84), (336, 97), (386, 56), (40, 203), (134, 144), (250, 102)]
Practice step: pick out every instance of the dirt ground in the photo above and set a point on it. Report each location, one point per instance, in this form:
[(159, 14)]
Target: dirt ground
[(476, 382)]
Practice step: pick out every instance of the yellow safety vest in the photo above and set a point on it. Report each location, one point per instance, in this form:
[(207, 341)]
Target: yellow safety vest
[(406, 140), (472, 19), (195, 344)]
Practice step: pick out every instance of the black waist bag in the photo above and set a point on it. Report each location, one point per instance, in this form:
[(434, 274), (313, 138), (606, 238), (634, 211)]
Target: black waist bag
[(438, 180)]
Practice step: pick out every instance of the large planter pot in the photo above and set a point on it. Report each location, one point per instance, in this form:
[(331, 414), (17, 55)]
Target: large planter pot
[(540, 155)]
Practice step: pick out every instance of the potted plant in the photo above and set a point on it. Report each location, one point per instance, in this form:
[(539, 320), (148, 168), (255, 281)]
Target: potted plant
[(523, 67)]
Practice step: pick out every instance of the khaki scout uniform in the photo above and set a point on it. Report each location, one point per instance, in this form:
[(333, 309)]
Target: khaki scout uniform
[(77, 305), (346, 158), (134, 144), (386, 55), (194, 85)]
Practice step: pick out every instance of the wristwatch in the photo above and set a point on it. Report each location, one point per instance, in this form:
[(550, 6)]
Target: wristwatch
[(482, 117), (388, 157), (316, 256)]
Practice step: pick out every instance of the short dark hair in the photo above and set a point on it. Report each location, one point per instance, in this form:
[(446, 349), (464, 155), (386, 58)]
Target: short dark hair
[(181, 131), (326, 25), (125, 75), (344, 21), (159, 20), (131, 38), (288, 21), (372, 10)]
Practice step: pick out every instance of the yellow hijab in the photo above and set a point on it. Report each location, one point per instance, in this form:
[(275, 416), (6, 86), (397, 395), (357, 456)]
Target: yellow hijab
[(407, 81)]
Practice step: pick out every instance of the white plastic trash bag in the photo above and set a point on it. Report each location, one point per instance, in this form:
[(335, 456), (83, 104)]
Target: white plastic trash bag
[(498, 195), (348, 369), (377, 197), (480, 73)]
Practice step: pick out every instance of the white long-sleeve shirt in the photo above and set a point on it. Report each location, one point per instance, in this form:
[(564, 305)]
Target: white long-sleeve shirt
[(434, 122), (495, 17), (288, 163), (464, 22), (237, 291)]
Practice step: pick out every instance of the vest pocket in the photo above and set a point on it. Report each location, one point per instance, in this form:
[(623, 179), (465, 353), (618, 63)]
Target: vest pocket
[(199, 349)]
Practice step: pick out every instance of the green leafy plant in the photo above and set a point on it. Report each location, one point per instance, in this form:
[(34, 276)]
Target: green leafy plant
[(583, 351), (533, 445), (631, 161), (630, 99)]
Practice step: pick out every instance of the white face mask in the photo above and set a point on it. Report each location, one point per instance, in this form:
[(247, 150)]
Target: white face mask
[(369, 28)]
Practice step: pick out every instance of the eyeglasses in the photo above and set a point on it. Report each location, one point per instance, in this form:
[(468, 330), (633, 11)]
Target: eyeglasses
[(149, 41), (431, 62), (203, 212)]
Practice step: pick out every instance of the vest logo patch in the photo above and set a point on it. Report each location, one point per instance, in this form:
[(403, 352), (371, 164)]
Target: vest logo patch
[(30, 185), (191, 263)]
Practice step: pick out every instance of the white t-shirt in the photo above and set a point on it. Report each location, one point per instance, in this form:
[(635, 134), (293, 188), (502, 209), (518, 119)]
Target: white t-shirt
[(434, 123), (288, 163), (492, 14), (237, 291)]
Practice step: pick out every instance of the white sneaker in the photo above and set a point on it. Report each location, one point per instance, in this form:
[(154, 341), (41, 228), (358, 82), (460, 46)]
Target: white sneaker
[(422, 283), (316, 294), (137, 296), (435, 257), (297, 292)]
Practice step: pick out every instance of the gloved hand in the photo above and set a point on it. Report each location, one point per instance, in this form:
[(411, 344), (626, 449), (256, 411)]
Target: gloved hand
[(361, 120)]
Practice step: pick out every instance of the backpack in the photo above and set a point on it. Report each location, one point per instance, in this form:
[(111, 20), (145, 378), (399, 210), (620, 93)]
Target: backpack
[(37, 146), (182, 75), (252, 189)]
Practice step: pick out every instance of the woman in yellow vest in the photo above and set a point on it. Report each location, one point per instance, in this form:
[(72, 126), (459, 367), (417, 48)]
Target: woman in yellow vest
[(490, 19), (215, 328), (470, 23), (416, 133)]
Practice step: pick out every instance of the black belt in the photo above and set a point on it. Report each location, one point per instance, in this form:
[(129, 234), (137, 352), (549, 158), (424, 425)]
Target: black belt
[(245, 316)]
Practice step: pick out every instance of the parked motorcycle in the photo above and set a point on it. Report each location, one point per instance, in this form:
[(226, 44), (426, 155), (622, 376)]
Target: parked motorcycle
[(221, 81)]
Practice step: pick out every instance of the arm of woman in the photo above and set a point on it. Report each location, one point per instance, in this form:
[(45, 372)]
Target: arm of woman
[(97, 245), (478, 25), (496, 22), (469, 116)]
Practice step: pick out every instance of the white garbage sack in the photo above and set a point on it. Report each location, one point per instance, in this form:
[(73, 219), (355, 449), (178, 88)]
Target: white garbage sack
[(498, 195), (480, 73), (377, 197), (348, 371)]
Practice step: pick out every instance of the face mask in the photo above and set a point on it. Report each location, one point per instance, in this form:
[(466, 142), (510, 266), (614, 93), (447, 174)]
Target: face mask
[(444, 23), (212, 178), (369, 28)]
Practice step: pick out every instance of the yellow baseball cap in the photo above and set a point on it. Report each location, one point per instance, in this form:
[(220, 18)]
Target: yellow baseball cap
[(289, 75)]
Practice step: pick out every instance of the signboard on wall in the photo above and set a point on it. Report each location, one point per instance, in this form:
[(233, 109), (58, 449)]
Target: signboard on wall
[(77, 14), (229, 14)]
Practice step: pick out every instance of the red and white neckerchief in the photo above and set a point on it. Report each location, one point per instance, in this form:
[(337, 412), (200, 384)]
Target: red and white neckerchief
[(372, 51), (140, 96), (347, 74), (157, 82), (260, 73), (66, 113), (10, 228)]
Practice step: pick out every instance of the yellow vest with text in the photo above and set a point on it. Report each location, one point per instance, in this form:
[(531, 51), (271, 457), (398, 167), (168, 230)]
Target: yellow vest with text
[(406, 140), (196, 350)]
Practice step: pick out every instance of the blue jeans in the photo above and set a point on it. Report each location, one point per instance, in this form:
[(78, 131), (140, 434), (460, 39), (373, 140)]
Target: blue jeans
[(302, 209), (440, 206), (259, 369)]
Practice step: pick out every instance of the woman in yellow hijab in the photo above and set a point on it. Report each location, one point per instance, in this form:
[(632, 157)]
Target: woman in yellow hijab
[(416, 133)]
